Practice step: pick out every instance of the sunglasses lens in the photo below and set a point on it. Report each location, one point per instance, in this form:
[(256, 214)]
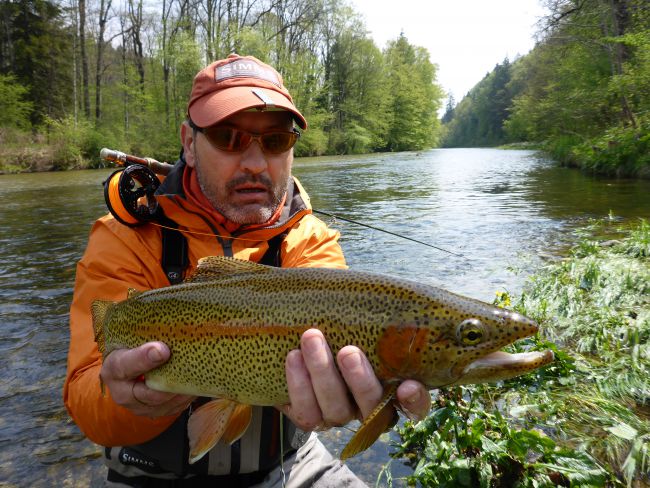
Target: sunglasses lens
[(227, 138), (278, 142), (234, 140)]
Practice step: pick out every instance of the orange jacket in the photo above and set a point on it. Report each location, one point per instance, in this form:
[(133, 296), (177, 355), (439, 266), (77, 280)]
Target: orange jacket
[(119, 257)]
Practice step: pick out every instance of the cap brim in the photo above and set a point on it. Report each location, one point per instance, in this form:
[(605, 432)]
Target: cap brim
[(216, 106)]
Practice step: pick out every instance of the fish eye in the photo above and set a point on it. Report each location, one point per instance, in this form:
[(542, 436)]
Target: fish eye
[(470, 332)]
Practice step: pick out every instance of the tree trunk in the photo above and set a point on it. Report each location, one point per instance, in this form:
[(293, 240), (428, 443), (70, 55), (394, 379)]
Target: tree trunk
[(618, 52), (84, 58), (104, 7), (135, 13)]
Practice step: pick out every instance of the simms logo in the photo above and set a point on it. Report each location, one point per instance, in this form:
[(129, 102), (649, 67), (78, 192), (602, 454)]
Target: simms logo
[(246, 69), (130, 459)]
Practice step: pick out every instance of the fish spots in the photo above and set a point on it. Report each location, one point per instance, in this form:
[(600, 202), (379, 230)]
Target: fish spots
[(229, 337)]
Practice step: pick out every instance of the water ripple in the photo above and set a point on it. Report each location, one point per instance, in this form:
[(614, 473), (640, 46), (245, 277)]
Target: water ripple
[(505, 211)]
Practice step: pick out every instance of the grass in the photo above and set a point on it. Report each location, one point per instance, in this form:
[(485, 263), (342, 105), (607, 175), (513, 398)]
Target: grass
[(582, 421)]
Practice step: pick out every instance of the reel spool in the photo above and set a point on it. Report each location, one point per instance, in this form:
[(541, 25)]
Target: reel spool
[(129, 195)]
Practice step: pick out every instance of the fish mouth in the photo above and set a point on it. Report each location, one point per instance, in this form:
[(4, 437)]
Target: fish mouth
[(501, 365)]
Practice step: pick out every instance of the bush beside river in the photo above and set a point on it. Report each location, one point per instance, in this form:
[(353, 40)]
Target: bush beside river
[(583, 421)]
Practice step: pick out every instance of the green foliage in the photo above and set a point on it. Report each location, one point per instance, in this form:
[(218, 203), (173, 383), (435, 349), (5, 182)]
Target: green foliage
[(597, 303), (313, 142), (581, 421), (341, 81), (357, 82), (415, 97), (14, 110), (461, 443), (35, 47), (619, 151), (584, 91), (478, 119), (65, 138)]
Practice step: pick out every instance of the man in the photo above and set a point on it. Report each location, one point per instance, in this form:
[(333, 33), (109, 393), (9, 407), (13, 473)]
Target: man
[(232, 194)]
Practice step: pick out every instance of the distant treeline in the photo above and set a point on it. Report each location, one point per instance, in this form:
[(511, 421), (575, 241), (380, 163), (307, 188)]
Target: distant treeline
[(78, 75), (583, 92)]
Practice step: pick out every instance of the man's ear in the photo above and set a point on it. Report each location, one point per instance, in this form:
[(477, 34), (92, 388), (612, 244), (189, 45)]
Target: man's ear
[(187, 140)]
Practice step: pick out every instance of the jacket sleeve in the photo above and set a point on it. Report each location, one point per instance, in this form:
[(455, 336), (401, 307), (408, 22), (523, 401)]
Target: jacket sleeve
[(113, 263), (310, 244)]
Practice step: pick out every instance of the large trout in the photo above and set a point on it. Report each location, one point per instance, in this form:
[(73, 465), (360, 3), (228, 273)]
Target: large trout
[(230, 326)]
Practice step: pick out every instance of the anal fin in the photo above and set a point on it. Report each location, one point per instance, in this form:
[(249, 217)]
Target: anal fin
[(382, 418)]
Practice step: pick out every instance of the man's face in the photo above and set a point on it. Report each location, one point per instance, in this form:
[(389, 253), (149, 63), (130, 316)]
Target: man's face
[(244, 187)]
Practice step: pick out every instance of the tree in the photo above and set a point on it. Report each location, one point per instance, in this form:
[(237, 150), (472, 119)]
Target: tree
[(84, 58), (416, 98), (14, 110), (36, 48), (359, 92), (449, 110)]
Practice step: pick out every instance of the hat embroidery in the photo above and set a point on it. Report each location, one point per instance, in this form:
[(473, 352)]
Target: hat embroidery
[(245, 69)]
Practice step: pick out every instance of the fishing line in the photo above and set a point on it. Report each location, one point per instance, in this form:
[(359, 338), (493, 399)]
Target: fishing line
[(388, 232), (282, 473), (211, 234), (122, 185), (197, 233)]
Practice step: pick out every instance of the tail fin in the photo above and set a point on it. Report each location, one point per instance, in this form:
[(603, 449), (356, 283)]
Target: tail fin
[(99, 310)]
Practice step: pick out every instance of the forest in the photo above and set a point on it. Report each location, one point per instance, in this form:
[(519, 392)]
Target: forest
[(583, 93), (79, 75)]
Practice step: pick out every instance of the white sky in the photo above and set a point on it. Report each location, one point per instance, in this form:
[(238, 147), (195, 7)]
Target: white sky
[(465, 38)]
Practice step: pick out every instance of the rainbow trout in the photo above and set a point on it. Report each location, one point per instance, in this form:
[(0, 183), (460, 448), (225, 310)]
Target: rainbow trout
[(230, 326)]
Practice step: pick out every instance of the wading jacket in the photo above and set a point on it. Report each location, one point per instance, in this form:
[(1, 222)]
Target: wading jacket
[(118, 258)]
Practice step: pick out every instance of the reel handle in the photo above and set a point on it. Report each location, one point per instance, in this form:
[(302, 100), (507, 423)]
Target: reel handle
[(124, 159)]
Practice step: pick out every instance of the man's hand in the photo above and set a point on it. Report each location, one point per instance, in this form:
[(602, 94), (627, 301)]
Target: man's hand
[(321, 397), (121, 371)]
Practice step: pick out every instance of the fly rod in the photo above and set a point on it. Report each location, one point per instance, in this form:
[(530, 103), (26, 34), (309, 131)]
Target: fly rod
[(387, 232), (160, 168), (124, 159)]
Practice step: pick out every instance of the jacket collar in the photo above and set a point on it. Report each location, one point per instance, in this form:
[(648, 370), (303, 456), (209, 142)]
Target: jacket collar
[(171, 196)]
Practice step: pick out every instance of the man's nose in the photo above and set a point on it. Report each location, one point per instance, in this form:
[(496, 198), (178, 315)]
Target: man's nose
[(253, 159)]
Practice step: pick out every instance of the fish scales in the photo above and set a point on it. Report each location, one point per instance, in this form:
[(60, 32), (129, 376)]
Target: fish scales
[(231, 325), (228, 336)]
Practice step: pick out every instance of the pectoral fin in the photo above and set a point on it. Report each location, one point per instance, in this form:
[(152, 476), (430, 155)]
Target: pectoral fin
[(382, 418), (213, 421)]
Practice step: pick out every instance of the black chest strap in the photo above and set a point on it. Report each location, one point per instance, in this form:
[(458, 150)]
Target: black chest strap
[(174, 258), (272, 255)]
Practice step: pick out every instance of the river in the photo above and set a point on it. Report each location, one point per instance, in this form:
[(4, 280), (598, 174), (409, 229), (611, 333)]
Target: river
[(505, 212)]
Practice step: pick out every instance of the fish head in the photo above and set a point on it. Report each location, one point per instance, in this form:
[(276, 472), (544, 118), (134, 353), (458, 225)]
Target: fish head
[(459, 345)]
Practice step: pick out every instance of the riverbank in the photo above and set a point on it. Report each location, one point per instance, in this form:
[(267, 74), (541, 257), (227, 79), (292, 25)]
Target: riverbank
[(624, 155), (35, 156), (622, 151), (507, 212), (55, 150), (585, 420)]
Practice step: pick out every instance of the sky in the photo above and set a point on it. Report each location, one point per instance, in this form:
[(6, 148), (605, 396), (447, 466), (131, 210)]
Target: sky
[(465, 38)]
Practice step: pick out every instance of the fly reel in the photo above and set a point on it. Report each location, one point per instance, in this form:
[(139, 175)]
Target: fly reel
[(129, 195)]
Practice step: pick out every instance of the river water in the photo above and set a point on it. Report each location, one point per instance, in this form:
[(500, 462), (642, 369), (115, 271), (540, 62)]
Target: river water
[(505, 212)]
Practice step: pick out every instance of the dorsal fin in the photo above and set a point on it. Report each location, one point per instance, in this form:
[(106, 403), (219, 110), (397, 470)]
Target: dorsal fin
[(214, 267), (132, 293)]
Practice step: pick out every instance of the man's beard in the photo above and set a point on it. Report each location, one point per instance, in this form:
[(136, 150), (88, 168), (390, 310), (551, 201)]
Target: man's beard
[(243, 215)]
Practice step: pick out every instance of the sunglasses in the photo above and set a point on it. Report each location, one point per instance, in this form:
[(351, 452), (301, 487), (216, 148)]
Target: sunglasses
[(233, 140)]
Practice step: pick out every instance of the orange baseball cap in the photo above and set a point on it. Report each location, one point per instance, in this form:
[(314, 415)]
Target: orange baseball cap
[(238, 83)]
